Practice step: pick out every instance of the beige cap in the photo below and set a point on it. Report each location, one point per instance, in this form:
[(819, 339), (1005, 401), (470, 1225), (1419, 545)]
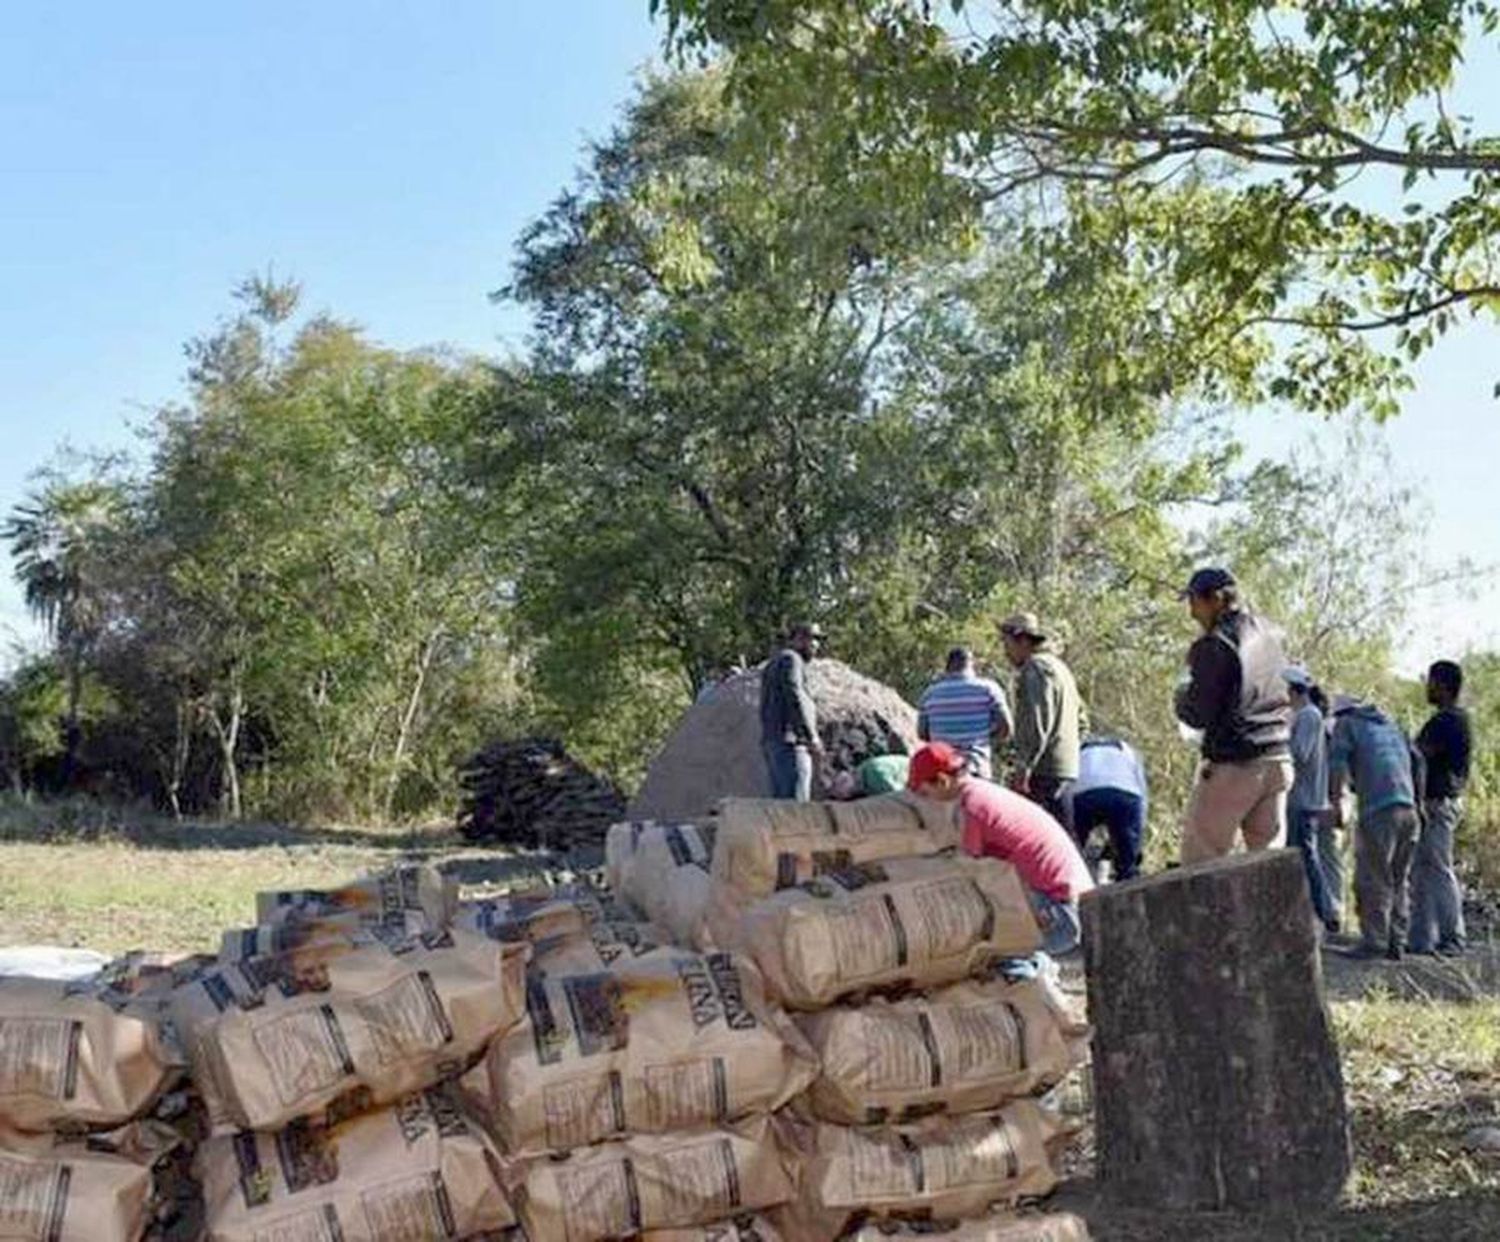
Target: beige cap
[(1026, 623)]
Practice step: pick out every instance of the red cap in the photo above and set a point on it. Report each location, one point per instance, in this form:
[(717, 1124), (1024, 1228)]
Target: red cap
[(931, 761)]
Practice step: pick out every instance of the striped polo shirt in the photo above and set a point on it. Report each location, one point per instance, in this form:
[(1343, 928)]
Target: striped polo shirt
[(964, 709)]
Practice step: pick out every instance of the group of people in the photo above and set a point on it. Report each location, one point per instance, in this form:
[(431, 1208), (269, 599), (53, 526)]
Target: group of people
[(1277, 760)]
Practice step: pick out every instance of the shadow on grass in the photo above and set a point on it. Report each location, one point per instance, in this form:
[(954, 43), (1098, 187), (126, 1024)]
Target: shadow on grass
[(77, 822), (1466, 1217), (1471, 977)]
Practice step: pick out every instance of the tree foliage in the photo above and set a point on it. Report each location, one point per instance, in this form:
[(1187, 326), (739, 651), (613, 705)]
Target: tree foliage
[(734, 417), (293, 597), (1297, 173), (765, 382)]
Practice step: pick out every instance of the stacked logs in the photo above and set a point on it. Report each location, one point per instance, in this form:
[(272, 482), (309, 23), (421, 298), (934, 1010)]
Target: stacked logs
[(849, 741), (529, 792)]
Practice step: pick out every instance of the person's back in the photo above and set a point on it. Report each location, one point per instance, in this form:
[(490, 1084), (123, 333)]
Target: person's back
[(1242, 701), (882, 774), (1003, 824), (1309, 746), (1110, 792), (1050, 711), (965, 710), (1371, 752), (1110, 763)]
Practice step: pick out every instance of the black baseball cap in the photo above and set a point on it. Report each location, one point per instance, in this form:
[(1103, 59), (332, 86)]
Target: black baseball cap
[(1206, 582)]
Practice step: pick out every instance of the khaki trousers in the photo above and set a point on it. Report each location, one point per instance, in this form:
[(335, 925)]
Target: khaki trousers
[(1231, 799)]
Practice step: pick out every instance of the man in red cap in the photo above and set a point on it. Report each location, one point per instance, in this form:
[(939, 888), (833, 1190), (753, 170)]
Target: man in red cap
[(1002, 824)]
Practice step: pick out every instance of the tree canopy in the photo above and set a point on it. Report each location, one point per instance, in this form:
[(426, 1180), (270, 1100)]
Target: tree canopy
[(750, 395), (1296, 176)]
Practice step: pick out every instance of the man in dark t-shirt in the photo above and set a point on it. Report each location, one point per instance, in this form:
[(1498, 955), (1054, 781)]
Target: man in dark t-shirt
[(789, 717), (1437, 922)]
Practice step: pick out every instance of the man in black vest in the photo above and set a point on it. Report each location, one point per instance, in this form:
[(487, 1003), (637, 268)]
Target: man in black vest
[(1236, 696)]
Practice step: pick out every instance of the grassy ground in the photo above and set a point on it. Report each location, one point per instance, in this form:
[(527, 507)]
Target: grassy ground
[(78, 876), (1421, 1069)]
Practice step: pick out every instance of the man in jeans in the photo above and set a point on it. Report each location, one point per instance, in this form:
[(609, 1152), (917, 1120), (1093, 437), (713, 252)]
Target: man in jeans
[(1235, 695), (998, 823), (1307, 804), (788, 717), (1445, 741), (1370, 754), (1050, 720), (1110, 790)]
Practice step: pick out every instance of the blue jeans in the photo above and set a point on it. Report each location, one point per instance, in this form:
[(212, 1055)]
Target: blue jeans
[(790, 767), (1123, 815), (1302, 834), (1061, 930), (1437, 906)]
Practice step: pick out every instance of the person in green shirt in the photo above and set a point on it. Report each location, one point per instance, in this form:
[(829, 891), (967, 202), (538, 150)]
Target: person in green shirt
[(883, 774), (1050, 718)]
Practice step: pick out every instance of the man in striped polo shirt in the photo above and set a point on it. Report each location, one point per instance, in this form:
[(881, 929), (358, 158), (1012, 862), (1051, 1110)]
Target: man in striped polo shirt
[(966, 711)]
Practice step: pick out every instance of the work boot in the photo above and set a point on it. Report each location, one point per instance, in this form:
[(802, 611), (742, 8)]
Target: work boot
[(1452, 947), (1393, 950)]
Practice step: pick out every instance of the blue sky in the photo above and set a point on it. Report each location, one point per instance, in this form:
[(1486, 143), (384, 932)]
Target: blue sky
[(387, 154)]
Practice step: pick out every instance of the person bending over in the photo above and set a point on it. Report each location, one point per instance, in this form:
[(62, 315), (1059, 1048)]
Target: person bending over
[(998, 823)]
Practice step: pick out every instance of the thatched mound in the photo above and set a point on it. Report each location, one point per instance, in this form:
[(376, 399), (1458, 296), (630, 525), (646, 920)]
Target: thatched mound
[(715, 750)]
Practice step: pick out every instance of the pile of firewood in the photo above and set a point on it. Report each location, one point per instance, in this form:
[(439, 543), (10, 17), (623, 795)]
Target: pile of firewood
[(849, 740), (529, 792)]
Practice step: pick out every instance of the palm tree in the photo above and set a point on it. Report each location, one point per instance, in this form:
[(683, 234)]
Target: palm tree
[(58, 544)]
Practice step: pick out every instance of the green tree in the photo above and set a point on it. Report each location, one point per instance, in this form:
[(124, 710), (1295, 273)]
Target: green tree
[(300, 530), (1297, 172), (733, 416), (699, 409), (37, 698), (59, 542)]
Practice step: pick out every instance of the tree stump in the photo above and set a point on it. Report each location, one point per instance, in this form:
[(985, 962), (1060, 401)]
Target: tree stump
[(1217, 1080)]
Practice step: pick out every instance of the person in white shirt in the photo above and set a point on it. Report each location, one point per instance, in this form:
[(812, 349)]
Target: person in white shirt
[(1111, 792), (1307, 802)]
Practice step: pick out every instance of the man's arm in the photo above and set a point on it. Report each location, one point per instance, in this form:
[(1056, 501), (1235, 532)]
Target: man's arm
[(1207, 697), (1002, 724), (924, 719), (803, 711), (1429, 739), (1036, 717), (1340, 755), (1305, 730), (1462, 737)]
